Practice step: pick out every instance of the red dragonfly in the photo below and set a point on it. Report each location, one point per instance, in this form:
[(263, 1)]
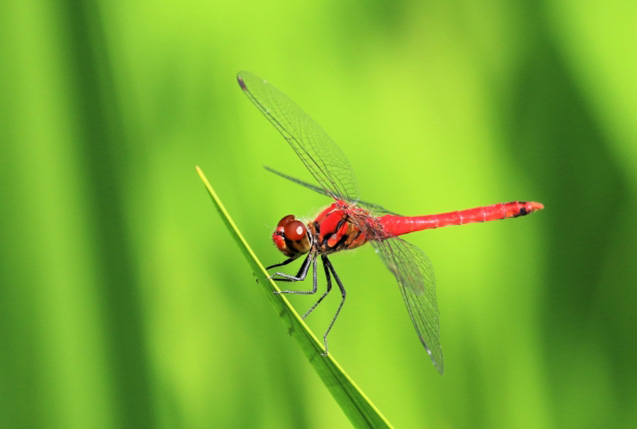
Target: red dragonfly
[(349, 222)]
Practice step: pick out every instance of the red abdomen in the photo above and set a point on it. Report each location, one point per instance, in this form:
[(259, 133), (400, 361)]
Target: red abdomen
[(398, 225)]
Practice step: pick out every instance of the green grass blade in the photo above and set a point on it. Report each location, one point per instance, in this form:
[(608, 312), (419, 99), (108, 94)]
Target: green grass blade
[(358, 408)]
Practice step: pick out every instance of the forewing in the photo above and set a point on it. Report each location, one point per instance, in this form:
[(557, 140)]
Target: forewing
[(415, 276), (318, 152), (298, 181), (370, 206)]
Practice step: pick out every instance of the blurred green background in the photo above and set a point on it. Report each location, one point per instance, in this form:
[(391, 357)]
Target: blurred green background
[(125, 302)]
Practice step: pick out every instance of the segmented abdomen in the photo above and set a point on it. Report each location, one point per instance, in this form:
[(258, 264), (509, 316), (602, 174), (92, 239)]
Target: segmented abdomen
[(398, 225)]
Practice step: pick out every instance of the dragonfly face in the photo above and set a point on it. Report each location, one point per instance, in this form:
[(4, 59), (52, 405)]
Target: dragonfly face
[(291, 237)]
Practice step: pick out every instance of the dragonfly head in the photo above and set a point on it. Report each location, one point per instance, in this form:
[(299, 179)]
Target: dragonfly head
[(291, 237)]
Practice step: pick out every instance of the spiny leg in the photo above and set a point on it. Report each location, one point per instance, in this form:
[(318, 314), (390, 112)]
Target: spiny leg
[(301, 275), (287, 261), (328, 265), (329, 288)]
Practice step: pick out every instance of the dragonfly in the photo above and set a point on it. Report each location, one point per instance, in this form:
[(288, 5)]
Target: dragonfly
[(348, 222)]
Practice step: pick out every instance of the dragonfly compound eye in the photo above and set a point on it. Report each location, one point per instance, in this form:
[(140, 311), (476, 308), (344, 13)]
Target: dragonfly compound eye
[(290, 237), (287, 219), (296, 238), (294, 230)]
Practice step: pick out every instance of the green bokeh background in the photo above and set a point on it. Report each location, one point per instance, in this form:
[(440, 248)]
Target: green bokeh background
[(124, 301)]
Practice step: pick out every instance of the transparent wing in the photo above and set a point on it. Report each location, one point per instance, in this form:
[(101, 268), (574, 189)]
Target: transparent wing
[(415, 275), (318, 152), (371, 206)]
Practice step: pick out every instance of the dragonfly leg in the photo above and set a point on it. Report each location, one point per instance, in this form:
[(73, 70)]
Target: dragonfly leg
[(328, 266), (329, 288), (287, 261), (300, 276)]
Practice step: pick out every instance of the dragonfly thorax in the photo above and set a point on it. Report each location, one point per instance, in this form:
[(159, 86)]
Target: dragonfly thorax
[(291, 237)]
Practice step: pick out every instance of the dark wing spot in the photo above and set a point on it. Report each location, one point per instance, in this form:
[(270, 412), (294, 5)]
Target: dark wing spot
[(242, 84)]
